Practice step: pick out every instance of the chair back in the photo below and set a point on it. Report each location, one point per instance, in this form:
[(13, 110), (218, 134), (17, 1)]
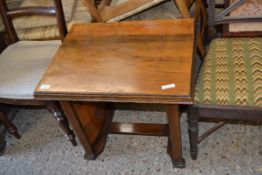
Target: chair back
[(225, 18), (9, 14), (201, 22), (200, 19)]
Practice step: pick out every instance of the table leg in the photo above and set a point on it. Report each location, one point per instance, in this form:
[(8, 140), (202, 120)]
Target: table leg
[(174, 147), (91, 123)]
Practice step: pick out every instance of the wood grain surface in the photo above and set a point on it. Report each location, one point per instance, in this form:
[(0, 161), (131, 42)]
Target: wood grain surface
[(126, 62)]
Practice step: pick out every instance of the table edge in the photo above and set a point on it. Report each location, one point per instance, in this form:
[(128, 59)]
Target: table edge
[(125, 98)]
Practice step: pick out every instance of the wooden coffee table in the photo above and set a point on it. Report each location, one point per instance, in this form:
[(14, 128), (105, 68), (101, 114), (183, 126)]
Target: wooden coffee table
[(128, 62)]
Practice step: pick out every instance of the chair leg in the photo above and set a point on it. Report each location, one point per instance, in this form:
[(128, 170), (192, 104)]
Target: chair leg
[(9, 126), (59, 116), (2, 142), (193, 118)]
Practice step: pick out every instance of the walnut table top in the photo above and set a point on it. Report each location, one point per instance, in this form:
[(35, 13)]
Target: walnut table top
[(137, 61)]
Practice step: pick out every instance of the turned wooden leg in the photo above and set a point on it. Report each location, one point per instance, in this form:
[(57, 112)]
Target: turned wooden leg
[(9, 126), (193, 131), (58, 114), (174, 140)]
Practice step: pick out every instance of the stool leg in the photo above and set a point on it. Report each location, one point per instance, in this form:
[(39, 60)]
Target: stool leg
[(193, 131), (58, 114), (174, 140), (9, 126)]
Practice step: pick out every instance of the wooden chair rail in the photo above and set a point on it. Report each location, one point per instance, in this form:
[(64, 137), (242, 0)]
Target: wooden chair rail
[(210, 131), (232, 112), (236, 19), (232, 7), (29, 11), (223, 19), (9, 14)]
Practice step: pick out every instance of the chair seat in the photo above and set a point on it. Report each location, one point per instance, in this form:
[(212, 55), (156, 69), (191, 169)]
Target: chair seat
[(231, 73), (22, 65)]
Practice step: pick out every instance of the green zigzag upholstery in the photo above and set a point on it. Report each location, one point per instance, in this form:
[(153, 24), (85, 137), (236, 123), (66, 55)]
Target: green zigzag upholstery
[(231, 73)]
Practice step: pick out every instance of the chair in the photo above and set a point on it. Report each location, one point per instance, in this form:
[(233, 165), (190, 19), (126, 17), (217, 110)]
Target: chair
[(23, 63), (106, 10), (39, 27), (116, 10), (245, 9), (200, 17), (238, 10), (230, 80)]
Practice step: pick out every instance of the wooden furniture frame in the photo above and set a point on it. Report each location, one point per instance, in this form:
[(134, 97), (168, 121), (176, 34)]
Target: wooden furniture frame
[(219, 112), (215, 20), (3, 43), (52, 106), (123, 62), (226, 31), (10, 113), (184, 7), (103, 11)]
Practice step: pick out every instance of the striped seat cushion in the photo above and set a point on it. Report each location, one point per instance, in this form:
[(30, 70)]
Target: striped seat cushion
[(231, 73), (22, 66)]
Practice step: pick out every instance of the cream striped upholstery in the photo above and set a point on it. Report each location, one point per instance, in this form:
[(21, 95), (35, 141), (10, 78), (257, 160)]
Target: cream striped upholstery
[(22, 65)]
